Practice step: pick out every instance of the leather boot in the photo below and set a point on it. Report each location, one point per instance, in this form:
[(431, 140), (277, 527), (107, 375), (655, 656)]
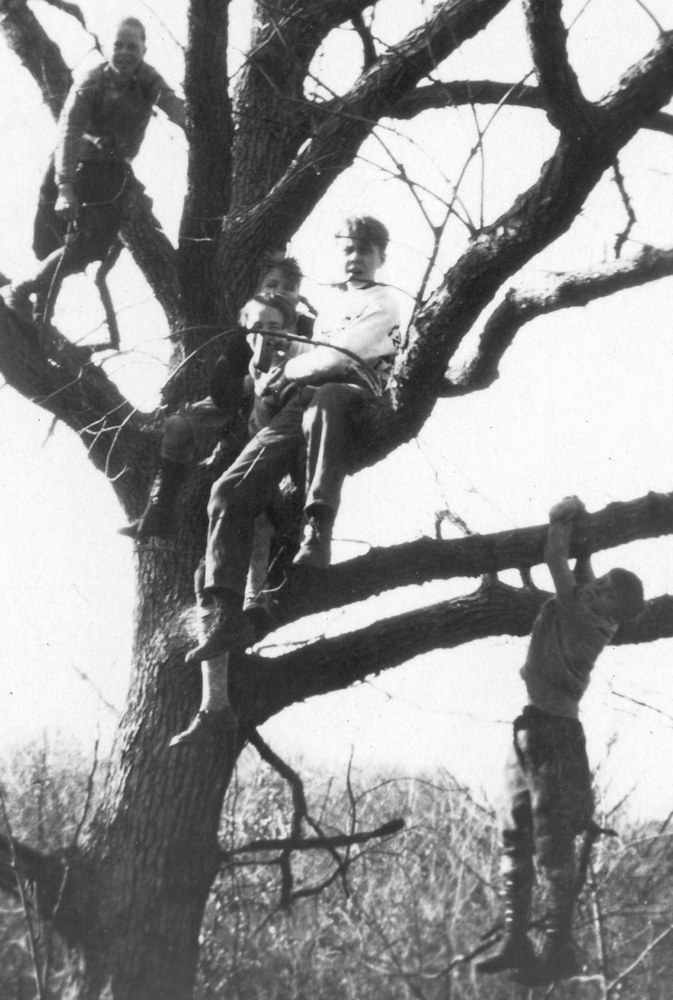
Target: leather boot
[(516, 950), (227, 629), (156, 521), (558, 958), (316, 545)]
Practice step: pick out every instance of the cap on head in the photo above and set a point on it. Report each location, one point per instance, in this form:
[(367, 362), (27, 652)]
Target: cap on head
[(365, 228), (628, 591)]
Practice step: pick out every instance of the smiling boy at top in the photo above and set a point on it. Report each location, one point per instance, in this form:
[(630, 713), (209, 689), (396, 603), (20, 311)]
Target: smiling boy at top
[(84, 195)]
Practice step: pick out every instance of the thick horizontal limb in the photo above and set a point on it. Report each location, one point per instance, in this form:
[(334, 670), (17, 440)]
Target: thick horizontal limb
[(427, 559), (333, 664)]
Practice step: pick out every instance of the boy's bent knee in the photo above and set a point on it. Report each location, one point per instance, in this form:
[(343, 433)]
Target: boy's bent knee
[(177, 443)]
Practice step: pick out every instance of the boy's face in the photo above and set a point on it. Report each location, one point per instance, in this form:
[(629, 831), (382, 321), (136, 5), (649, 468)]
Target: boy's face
[(128, 51), (264, 319), (277, 279), (603, 590), (361, 260)]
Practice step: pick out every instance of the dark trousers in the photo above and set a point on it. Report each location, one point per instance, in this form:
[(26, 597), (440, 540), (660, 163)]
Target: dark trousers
[(317, 419), (101, 186), (548, 793)]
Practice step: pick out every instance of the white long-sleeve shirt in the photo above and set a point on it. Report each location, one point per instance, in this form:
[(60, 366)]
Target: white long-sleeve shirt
[(366, 321)]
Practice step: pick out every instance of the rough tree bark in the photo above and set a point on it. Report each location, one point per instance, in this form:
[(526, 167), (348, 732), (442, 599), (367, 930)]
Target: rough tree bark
[(129, 900)]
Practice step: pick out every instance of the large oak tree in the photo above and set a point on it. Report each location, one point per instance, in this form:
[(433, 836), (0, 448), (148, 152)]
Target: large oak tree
[(129, 898)]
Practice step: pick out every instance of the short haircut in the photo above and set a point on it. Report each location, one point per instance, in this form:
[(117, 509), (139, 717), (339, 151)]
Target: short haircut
[(133, 22), (278, 260), (274, 301), (628, 589), (365, 228)]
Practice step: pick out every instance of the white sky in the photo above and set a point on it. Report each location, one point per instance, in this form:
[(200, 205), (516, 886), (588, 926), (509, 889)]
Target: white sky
[(582, 406)]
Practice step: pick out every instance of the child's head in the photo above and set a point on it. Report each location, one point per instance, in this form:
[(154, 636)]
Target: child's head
[(268, 311), (363, 242), (620, 593), (280, 274), (128, 47)]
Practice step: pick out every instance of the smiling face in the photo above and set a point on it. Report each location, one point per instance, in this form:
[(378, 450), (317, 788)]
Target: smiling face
[(362, 260), (128, 51)]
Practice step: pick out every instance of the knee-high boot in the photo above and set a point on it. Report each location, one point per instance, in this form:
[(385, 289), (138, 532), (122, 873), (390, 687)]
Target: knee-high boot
[(558, 958), (516, 950)]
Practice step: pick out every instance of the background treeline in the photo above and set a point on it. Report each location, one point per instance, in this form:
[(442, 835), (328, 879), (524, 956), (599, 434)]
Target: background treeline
[(385, 919)]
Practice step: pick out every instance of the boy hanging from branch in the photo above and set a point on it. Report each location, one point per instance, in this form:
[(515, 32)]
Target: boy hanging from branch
[(548, 793)]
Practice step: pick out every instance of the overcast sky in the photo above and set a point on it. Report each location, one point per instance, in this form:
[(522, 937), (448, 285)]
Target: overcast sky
[(582, 406)]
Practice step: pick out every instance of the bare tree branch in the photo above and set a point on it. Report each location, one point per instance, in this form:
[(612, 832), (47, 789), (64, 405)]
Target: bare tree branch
[(474, 556), (365, 35), (346, 121), (83, 397), (39, 54), (564, 291), (566, 106), (538, 216), (455, 93), (332, 664), (316, 843)]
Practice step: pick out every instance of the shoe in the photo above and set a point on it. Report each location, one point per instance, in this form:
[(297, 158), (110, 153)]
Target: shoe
[(316, 545), (515, 953), (557, 960), (227, 629), (260, 620), (516, 950), (205, 726)]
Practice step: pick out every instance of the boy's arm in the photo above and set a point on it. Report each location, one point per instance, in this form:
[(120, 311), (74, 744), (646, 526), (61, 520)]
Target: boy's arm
[(583, 571), (557, 546)]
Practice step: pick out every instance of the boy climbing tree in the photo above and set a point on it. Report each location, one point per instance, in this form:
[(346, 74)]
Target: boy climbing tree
[(85, 191), (548, 791)]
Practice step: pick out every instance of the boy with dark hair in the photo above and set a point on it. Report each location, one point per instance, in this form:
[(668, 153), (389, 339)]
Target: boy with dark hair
[(547, 779), (186, 431), (84, 194), (317, 392)]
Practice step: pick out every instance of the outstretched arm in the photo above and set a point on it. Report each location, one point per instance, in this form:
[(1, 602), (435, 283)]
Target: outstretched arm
[(557, 546)]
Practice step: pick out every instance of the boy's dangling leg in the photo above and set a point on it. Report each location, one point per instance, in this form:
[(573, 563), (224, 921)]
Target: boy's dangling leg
[(215, 713), (516, 950), (558, 958)]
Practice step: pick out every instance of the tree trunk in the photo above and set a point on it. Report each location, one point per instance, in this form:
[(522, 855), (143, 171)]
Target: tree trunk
[(135, 900)]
